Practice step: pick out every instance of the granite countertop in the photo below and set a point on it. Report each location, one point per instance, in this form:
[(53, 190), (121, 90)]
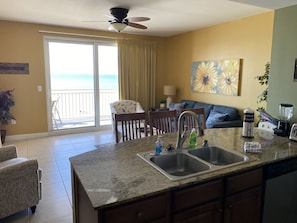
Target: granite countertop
[(114, 174)]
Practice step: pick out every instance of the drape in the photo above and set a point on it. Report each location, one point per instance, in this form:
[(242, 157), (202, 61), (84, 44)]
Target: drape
[(137, 70)]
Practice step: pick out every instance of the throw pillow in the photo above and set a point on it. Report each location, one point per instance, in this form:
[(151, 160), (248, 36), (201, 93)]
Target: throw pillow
[(215, 117)]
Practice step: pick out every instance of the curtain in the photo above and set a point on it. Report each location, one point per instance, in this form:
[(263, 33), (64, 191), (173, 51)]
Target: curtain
[(137, 68)]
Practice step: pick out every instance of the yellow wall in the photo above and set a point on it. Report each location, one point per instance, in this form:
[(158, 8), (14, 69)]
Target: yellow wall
[(23, 43), (249, 39)]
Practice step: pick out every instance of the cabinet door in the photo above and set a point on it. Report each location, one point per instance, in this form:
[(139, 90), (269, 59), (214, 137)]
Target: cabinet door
[(155, 209), (193, 196), (210, 213), (244, 181), (244, 207)]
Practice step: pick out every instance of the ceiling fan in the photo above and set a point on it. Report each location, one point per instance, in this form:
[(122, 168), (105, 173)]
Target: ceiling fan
[(119, 20)]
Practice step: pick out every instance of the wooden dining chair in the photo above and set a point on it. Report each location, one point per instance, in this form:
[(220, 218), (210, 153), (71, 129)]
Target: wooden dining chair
[(130, 126), (162, 122), (191, 121)]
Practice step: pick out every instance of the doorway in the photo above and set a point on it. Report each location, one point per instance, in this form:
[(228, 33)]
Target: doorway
[(82, 80)]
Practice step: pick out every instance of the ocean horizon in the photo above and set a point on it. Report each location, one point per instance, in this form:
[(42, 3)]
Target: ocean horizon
[(83, 81)]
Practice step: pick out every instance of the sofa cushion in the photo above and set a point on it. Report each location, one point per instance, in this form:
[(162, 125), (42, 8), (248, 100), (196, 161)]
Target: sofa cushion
[(232, 112), (196, 104), (207, 107), (188, 103), (215, 117)]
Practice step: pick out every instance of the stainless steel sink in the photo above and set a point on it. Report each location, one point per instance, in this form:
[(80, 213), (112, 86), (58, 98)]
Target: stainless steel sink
[(179, 164), (218, 156), (176, 165)]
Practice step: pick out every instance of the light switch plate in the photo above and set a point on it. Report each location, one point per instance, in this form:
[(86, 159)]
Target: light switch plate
[(39, 88), (293, 133)]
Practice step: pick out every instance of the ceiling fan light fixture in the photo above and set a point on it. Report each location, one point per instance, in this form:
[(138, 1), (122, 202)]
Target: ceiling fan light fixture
[(118, 26)]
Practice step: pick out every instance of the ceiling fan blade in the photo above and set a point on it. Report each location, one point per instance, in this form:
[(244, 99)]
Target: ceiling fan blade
[(109, 16), (138, 19), (136, 25), (94, 21)]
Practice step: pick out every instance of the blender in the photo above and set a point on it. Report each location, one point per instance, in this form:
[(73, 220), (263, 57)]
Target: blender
[(283, 125)]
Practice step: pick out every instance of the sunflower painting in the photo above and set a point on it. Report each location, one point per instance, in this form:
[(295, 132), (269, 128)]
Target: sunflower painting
[(216, 77)]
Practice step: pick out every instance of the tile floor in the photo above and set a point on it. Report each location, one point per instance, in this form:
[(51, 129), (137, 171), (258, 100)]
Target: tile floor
[(53, 155)]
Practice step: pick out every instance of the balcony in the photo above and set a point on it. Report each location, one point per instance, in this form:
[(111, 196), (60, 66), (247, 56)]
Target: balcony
[(76, 108)]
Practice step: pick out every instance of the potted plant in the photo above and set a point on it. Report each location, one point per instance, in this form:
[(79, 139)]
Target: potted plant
[(6, 102), (263, 80), (162, 103)]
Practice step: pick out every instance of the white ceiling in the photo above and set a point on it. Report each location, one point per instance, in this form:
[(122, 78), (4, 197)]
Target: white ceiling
[(168, 17)]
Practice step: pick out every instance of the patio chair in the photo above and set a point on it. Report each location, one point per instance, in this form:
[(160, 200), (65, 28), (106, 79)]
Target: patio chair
[(20, 182), (55, 113), (124, 107)]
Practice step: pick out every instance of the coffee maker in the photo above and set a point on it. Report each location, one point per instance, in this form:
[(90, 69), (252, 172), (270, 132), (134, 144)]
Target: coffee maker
[(283, 125)]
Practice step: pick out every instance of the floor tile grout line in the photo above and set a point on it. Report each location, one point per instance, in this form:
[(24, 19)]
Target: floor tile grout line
[(98, 139)]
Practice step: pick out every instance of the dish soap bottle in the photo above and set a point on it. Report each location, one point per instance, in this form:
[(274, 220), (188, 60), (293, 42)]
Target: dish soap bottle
[(159, 146), (193, 138)]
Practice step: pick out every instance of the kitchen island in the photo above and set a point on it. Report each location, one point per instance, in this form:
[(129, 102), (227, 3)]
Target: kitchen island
[(112, 184)]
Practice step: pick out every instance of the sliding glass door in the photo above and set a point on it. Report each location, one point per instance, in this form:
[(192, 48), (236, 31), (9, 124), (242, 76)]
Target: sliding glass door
[(108, 80), (82, 81)]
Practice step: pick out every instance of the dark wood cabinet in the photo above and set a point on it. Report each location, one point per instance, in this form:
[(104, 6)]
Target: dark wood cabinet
[(244, 181), (243, 200), (195, 203), (210, 213), (154, 210), (230, 199), (244, 207), (236, 200)]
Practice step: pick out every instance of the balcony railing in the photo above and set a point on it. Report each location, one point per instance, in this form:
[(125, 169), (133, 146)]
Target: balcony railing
[(78, 105)]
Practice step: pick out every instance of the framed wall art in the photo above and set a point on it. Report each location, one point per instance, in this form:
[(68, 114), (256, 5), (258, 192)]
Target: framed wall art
[(216, 77), (14, 68)]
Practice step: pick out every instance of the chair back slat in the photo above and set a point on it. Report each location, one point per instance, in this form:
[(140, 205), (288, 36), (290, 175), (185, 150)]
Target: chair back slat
[(130, 126), (191, 122), (162, 122)]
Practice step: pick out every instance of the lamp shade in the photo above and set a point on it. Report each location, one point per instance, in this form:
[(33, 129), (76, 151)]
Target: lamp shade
[(169, 90), (118, 26)]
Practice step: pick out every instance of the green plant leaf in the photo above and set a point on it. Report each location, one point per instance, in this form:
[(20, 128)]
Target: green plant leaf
[(263, 80)]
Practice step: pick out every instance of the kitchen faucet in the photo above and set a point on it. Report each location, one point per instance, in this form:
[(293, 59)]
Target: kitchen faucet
[(182, 136)]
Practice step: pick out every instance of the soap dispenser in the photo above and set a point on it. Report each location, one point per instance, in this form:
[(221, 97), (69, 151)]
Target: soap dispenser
[(159, 146)]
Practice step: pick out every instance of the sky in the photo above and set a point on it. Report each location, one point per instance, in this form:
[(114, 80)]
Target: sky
[(69, 58)]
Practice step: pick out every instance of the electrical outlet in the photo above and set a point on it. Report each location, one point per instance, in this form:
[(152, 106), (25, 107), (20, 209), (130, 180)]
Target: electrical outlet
[(293, 133), (13, 121)]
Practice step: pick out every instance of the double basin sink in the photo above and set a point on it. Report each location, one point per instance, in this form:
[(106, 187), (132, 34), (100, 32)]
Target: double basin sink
[(177, 165)]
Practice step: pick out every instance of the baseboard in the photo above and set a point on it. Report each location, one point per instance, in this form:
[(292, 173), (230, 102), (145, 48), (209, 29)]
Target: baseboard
[(25, 136), (55, 133)]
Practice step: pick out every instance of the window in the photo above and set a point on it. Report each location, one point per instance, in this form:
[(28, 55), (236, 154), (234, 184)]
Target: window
[(82, 80)]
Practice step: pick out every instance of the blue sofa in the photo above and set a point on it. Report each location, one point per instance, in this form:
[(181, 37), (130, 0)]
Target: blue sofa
[(216, 116)]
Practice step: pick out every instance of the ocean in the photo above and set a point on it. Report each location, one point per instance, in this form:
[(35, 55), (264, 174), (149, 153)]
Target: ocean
[(83, 81)]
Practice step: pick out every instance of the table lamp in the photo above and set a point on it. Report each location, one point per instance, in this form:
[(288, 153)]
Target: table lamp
[(169, 91)]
